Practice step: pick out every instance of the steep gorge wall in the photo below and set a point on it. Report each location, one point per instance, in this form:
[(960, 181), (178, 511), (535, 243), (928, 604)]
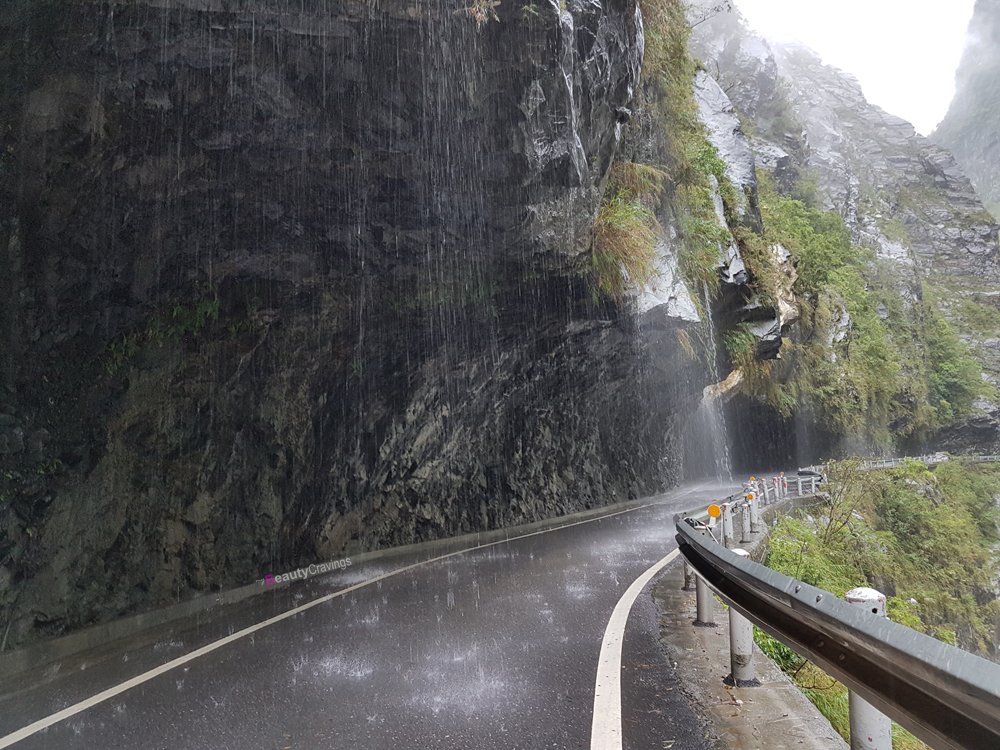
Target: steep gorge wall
[(971, 127), (287, 280), (925, 248)]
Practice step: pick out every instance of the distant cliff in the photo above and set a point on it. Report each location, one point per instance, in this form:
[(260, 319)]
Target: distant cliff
[(971, 128), (897, 263)]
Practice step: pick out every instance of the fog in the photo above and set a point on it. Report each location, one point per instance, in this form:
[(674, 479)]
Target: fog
[(904, 52)]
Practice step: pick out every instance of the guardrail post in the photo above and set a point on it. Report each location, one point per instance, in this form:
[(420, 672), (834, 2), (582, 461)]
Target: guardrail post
[(799, 479), (763, 483), (870, 728), (741, 646), (703, 598), (754, 503), (745, 523), (688, 576), (727, 526)]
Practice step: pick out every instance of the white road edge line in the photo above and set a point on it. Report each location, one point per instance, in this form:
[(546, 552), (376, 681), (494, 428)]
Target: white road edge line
[(606, 729), (111, 692)]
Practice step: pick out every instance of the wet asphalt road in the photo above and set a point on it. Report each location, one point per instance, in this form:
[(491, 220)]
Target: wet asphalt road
[(493, 648)]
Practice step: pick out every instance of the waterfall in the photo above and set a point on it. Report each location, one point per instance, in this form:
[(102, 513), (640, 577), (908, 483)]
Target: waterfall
[(707, 440)]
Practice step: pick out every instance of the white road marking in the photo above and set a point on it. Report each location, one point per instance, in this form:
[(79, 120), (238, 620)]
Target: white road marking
[(111, 692), (606, 729)]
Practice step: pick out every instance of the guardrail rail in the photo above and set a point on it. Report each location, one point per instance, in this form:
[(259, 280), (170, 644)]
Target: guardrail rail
[(947, 697), (892, 463)]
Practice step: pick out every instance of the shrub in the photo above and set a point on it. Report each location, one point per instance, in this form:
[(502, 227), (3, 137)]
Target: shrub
[(643, 182), (978, 317), (954, 376), (481, 11), (740, 344)]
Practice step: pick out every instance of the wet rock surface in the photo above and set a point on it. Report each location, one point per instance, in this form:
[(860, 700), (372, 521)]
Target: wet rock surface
[(288, 280), (725, 132)]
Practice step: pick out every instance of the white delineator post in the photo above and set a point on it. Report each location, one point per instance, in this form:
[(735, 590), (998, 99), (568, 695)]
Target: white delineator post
[(870, 728), (746, 523), (727, 526), (741, 645), (754, 503)]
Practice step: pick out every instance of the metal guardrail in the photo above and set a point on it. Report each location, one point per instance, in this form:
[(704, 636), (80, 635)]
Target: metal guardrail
[(893, 463), (768, 490), (947, 697)]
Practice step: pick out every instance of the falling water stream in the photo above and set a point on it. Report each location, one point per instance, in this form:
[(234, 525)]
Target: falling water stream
[(707, 449)]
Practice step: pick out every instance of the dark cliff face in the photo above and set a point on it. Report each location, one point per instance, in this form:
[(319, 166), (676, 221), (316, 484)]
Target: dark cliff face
[(971, 128), (285, 280)]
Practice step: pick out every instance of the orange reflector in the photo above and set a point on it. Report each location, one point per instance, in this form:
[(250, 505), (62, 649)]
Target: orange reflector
[(714, 511), (749, 496)]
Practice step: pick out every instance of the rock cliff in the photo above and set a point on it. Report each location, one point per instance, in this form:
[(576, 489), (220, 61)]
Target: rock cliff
[(900, 198), (288, 280), (971, 126)]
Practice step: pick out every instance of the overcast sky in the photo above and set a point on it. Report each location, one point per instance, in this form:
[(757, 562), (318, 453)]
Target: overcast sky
[(904, 52)]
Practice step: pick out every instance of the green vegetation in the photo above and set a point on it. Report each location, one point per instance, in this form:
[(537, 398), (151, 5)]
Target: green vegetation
[(761, 262), (954, 376), (624, 244), (182, 320), (978, 318), (690, 160), (626, 229), (865, 362), (925, 538), (700, 172), (163, 328), (845, 369), (895, 230), (529, 11), (741, 345), (806, 188)]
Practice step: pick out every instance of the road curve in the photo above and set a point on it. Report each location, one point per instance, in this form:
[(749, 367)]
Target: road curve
[(495, 647)]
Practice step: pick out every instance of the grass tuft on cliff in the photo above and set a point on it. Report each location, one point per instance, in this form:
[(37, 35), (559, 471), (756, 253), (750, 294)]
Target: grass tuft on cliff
[(624, 245), (626, 228)]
